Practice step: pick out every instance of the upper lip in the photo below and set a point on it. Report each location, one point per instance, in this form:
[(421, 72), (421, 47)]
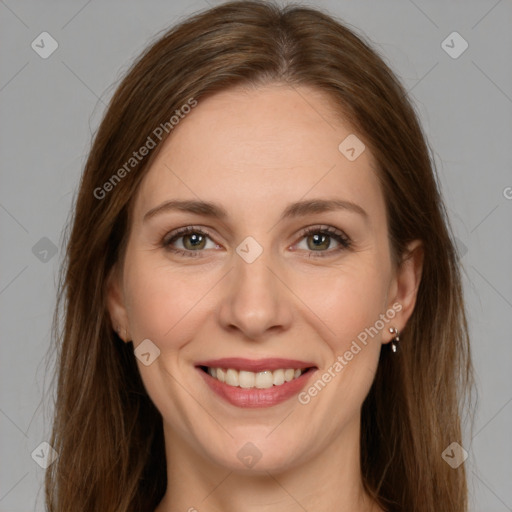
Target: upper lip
[(256, 365)]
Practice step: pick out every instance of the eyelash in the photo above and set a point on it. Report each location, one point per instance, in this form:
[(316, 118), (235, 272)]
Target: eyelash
[(339, 236)]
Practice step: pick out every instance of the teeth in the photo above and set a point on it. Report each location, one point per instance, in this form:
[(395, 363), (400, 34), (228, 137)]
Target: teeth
[(264, 380), (248, 380), (232, 377), (278, 377)]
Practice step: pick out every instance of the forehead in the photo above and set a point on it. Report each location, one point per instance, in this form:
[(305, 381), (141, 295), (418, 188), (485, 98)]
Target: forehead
[(258, 148)]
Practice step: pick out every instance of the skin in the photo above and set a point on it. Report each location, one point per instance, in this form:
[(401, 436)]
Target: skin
[(254, 151)]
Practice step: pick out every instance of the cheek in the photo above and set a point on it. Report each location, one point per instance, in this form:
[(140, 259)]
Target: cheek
[(160, 299), (347, 299)]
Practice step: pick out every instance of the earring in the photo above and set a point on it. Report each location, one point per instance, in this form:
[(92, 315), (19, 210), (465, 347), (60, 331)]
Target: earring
[(395, 342)]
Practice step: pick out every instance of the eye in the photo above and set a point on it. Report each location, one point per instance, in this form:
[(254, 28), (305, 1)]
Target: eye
[(319, 238), (194, 240)]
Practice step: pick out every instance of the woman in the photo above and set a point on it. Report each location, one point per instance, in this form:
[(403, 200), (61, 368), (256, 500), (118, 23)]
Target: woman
[(262, 301)]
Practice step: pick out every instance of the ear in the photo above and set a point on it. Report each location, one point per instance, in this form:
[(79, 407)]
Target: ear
[(115, 304), (405, 284)]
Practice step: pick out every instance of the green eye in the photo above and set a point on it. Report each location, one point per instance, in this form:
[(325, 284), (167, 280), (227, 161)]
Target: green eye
[(321, 239), (318, 240), (194, 240)]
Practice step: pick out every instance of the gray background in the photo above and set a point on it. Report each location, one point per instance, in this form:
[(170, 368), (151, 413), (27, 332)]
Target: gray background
[(51, 107)]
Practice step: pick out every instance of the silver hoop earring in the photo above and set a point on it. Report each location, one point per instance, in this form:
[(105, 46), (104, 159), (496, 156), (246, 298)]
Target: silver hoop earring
[(395, 342)]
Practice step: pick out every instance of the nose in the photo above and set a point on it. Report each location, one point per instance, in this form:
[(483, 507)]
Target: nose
[(256, 300)]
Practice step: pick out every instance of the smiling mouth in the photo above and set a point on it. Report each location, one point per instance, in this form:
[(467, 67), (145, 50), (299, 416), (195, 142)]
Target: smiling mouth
[(255, 380)]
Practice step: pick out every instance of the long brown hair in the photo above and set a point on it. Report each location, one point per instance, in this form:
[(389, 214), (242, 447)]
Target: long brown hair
[(106, 430)]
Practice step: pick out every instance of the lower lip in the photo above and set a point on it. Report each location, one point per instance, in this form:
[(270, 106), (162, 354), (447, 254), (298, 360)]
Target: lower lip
[(254, 397)]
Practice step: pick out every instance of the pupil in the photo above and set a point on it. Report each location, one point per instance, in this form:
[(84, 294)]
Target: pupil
[(195, 239), (319, 238)]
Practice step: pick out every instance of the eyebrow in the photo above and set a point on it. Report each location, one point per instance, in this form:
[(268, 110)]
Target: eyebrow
[(298, 209)]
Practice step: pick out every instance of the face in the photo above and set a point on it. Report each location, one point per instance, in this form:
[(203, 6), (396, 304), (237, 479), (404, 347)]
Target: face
[(270, 277)]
